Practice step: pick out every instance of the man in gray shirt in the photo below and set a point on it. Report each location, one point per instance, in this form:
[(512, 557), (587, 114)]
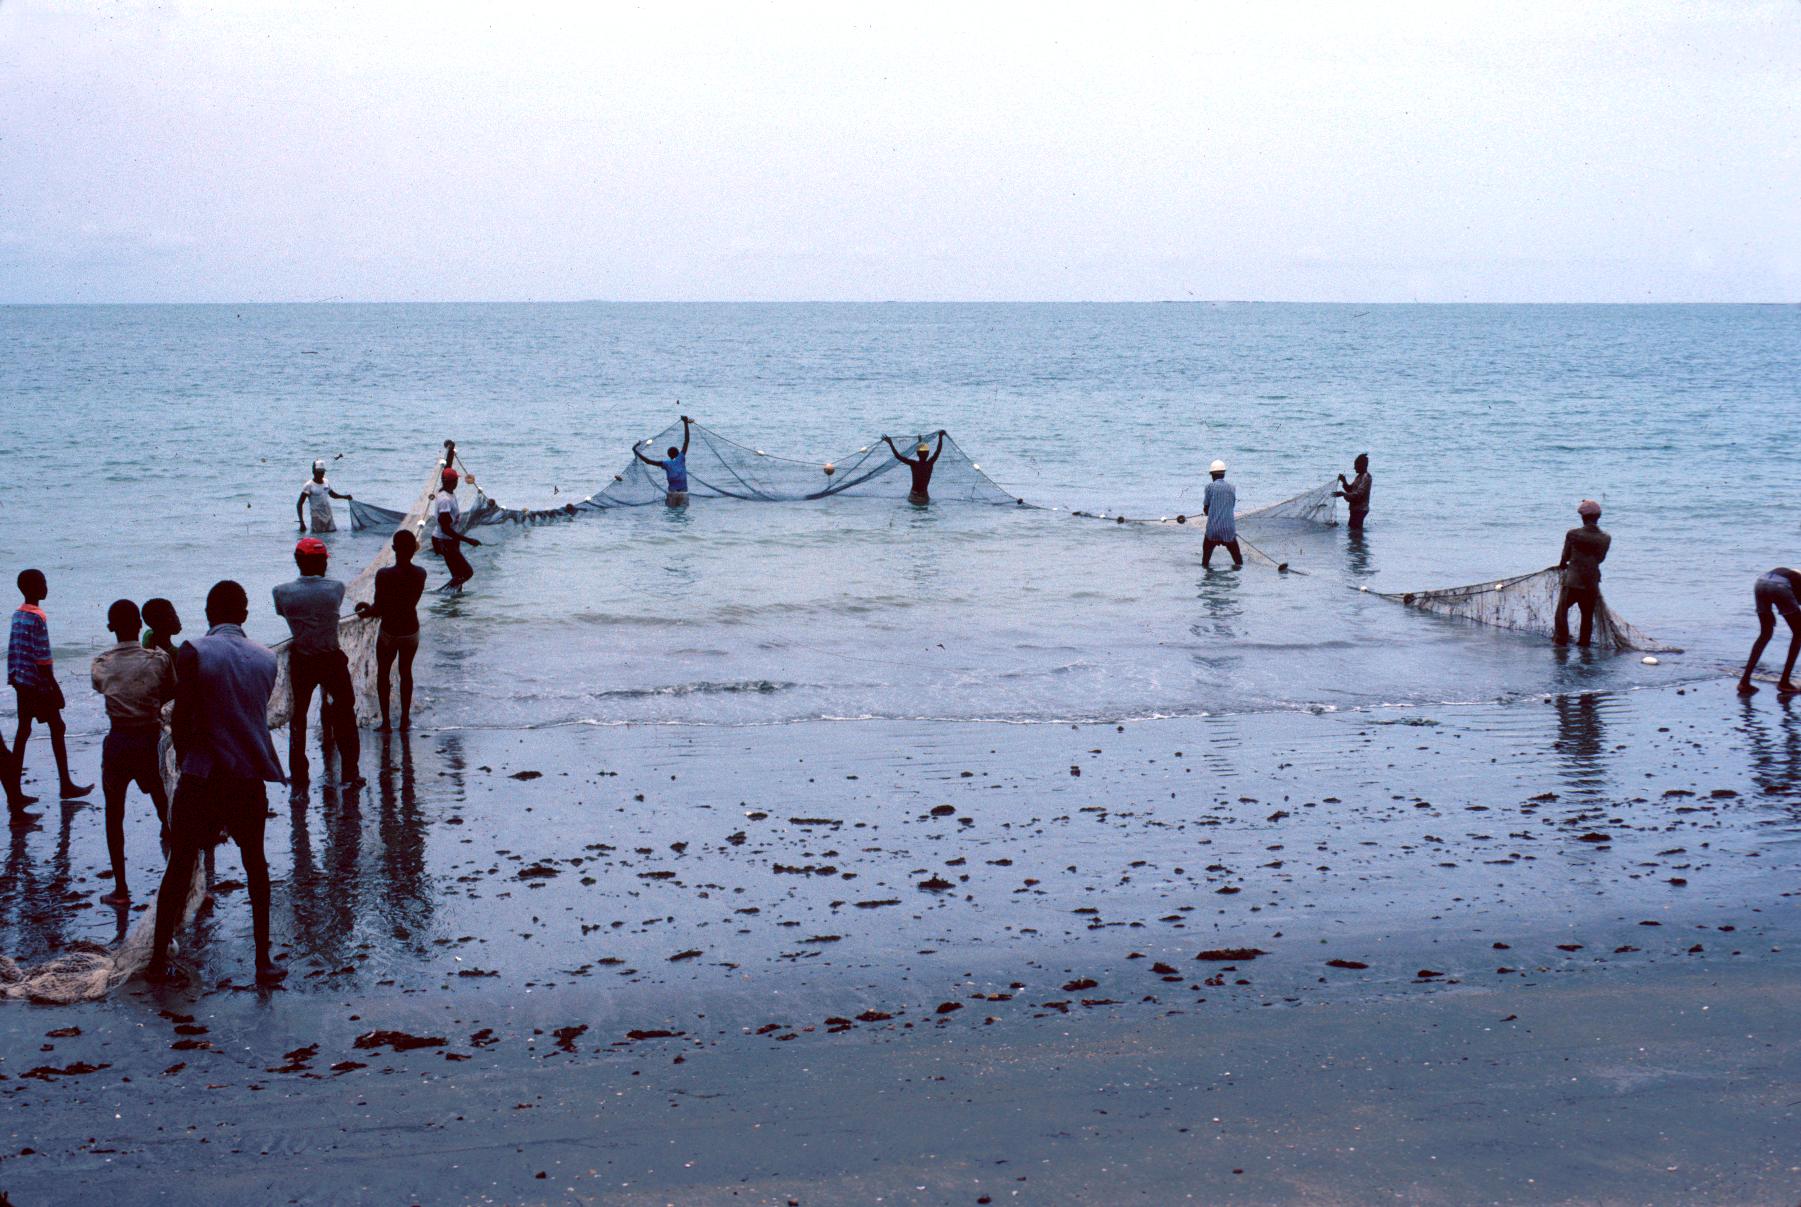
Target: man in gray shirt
[(221, 732), (311, 604)]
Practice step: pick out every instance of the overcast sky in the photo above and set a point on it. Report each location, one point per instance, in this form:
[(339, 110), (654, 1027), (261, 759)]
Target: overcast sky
[(1342, 151)]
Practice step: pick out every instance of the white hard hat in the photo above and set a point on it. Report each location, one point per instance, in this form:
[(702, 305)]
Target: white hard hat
[(1218, 467)]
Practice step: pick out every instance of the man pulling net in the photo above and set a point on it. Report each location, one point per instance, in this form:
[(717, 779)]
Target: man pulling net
[(921, 465), (675, 468)]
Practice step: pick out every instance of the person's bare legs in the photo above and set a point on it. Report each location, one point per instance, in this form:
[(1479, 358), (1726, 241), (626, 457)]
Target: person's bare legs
[(256, 879), (1766, 626), (406, 685), (384, 664), (302, 683), (16, 800), (113, 786), (169, 900), (1787, 686)]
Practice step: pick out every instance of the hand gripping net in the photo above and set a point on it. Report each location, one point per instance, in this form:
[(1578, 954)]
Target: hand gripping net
[(84, 971), (1527, 604)]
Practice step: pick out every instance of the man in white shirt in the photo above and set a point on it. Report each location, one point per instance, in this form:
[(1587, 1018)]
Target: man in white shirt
[(321, 494), (445, 538)]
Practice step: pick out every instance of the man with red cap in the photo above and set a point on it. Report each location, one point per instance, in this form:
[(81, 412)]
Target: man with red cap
[(445, 536), (1584, 549), (310, 604)]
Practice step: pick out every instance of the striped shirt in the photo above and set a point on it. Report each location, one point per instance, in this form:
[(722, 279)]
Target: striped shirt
[(28, 649), (1219, 501)]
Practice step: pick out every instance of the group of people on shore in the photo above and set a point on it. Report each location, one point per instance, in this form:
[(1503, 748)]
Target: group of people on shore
[(214, 693)]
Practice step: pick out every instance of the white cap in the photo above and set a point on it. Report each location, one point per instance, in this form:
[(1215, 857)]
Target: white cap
[(1218, 467)]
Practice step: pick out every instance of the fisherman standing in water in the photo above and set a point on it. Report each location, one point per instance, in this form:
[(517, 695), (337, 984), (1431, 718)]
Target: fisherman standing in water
[(1775, 592), (445, 536), (676, 467), (321, 493), (1219, 505), (921, 465), (1584, 549), (1356, 493)]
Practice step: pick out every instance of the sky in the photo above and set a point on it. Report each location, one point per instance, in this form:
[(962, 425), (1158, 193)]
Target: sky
[(1597, 151)]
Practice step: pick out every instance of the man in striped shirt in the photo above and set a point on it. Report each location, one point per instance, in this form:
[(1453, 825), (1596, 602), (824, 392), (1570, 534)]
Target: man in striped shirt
[(32, 673)]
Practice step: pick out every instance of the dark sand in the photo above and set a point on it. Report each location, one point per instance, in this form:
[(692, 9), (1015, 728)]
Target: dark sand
[(755, 965)]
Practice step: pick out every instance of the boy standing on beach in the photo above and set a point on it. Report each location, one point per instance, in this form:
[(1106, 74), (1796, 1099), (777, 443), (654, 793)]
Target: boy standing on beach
[(32, 673), (1219, 504), (136, 683)]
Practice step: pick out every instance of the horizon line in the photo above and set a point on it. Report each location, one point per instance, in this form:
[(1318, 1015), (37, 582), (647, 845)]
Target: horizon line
[(891, 302)]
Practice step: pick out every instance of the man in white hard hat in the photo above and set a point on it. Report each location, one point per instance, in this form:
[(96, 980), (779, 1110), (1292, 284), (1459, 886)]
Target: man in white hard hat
[(1218, 504)]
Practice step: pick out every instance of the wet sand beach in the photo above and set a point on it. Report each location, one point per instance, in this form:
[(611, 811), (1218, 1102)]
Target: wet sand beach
[(1539, 951)]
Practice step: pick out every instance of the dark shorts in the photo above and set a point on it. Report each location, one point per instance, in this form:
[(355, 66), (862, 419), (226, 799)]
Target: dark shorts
[(389, 644), (676, 498), (1775, 593), (207, 809), (129, 756), (38, 704)]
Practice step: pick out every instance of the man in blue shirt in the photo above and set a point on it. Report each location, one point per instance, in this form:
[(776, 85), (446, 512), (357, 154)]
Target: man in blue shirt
[(676, 467), (1219, 505), (32, 673), (221, 731)]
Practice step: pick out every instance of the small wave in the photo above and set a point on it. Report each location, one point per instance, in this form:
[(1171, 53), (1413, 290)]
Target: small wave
[(761, 687)]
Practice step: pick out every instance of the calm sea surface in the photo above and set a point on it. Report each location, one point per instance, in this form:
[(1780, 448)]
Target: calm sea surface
[(150, 450)]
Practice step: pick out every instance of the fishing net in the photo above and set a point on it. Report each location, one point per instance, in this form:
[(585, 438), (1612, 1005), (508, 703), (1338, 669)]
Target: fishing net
[(721, 468), (1316, 506), (1527, 604), (84, 970)]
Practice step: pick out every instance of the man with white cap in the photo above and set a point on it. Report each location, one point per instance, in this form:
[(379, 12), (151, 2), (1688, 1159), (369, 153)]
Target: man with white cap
[(1219, 505), (1584, 549), (311, 604), (321, 493)]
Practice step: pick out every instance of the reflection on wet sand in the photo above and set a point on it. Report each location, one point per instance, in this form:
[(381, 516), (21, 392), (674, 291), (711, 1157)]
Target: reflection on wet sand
[(1581, 743), (337, 900), (1775, 755)]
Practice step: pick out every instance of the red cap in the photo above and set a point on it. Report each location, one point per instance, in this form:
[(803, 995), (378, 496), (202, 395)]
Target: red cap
[(449, 474), (312, 546)]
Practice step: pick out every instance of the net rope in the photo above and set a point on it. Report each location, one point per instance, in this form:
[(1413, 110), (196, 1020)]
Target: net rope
[(84, 970)]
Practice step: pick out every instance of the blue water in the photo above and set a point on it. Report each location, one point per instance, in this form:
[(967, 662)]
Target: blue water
[(149, 450)]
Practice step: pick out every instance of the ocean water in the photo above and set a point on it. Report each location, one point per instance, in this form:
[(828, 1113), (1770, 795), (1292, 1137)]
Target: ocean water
[(150, 450)]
